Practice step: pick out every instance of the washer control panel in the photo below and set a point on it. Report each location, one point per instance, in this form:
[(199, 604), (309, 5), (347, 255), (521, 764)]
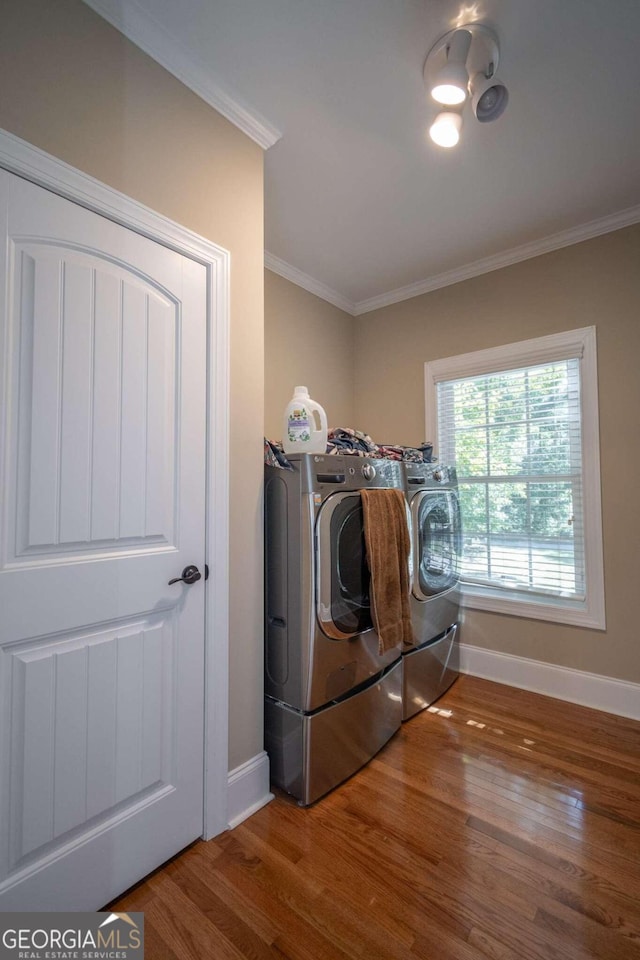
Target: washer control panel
[(349, 472)]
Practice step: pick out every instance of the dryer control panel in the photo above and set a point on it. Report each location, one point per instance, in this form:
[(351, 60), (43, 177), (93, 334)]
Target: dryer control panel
[(429, 475)]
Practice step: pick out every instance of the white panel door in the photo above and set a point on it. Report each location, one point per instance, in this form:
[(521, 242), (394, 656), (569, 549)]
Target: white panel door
[(102, 461)]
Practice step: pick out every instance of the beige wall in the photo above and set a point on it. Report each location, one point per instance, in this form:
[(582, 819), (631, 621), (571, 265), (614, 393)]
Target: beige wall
[(592, 283), (75, 87), (307, 341)]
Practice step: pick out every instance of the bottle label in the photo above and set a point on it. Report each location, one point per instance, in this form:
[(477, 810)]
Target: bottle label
[(298, 426)]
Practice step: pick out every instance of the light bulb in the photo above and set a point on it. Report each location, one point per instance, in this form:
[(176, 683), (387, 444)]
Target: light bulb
[(449, 94), (489, 97), (451, 84), (445, 130)]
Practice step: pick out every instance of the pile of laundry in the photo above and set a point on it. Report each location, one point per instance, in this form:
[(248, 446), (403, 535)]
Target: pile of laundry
[(346, 440)]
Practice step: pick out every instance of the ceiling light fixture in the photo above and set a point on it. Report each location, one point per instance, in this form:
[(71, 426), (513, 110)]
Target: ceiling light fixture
[(471, 51), (489, 97), (451, 83)]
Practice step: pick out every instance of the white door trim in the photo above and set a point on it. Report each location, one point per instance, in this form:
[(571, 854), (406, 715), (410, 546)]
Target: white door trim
[(33, 164)]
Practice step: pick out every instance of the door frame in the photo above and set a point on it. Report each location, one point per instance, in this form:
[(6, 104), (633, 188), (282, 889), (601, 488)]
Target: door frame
[(22, 158)]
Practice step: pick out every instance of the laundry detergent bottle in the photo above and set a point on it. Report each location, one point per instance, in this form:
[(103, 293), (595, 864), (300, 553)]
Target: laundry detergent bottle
[(300, 433)]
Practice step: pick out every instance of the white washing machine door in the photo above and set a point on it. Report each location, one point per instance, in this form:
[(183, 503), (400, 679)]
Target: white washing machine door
[(343, 605), (437, 542)]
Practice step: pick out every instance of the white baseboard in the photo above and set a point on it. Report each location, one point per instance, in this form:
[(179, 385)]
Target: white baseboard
[(619, 697), (248, 789)]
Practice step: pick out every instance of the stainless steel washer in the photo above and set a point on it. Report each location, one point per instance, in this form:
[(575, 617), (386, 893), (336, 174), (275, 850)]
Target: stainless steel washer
[(331, 700)]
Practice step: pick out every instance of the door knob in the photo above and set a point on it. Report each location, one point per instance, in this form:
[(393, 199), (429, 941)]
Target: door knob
[(190, 574)]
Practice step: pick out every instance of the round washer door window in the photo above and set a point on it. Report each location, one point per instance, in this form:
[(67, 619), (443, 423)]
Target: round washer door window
[(344, 607), (438, 543)]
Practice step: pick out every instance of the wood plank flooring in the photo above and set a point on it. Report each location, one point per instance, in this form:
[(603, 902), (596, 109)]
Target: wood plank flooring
[(500, 824)]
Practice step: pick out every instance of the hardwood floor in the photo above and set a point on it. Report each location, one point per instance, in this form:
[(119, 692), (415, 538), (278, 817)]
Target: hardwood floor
[(500, 824)]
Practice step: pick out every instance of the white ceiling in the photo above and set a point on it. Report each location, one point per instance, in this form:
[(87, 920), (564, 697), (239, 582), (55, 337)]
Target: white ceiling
[(360, 206)]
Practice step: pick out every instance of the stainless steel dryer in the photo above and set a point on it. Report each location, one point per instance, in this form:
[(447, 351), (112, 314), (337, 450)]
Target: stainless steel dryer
[(431, 665), (331, 700)]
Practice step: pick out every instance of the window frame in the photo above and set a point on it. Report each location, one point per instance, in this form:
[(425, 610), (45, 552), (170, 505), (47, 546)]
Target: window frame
[(580, 344)]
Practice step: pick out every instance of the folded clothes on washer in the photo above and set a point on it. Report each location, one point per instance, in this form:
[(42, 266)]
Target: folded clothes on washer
[(422, 454), (348, 440), (273, 455), (354, 443)]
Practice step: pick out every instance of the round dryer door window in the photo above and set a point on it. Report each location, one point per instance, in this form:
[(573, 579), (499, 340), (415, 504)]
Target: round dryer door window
[(344, 607), (438, 542)]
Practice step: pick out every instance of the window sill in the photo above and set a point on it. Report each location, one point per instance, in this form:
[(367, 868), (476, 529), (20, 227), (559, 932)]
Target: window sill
[(573, 613)]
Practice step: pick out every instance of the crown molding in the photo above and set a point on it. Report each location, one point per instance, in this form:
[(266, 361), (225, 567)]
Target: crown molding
[(139, 27), (284, 269), (587, 231), (595, 228)]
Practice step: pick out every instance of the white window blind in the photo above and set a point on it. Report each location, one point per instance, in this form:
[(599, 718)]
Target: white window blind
[(516, 439), (520, 423)]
